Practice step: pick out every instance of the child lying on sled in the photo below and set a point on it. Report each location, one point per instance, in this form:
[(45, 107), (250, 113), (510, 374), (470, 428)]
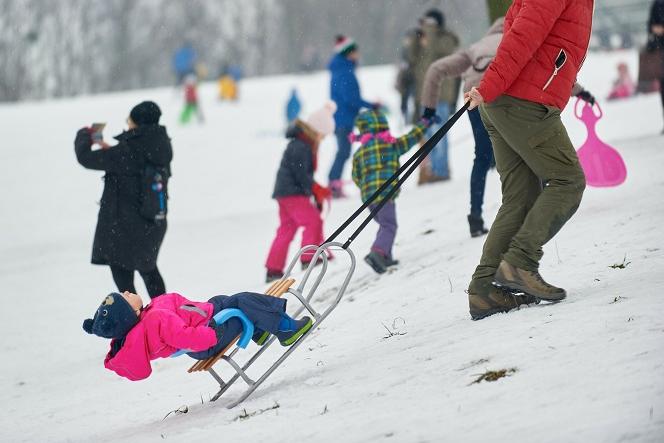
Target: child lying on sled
[(170, 323)]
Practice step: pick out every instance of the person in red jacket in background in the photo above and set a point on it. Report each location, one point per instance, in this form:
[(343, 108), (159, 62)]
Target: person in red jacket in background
[(521, 96)]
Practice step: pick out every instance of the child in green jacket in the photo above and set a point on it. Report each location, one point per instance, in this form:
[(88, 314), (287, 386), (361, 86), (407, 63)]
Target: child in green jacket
[(376, 160)]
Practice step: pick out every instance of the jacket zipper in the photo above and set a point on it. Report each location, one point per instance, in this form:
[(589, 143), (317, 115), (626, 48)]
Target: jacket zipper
[(557, 66)]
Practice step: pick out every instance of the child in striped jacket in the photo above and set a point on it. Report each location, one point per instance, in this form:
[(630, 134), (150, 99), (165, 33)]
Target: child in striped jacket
[(373, 163)]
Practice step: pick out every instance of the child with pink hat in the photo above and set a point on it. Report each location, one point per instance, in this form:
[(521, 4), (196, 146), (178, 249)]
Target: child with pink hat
[(295, 189)]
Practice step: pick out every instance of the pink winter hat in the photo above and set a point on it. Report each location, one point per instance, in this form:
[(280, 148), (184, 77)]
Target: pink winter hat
[(322, 120)]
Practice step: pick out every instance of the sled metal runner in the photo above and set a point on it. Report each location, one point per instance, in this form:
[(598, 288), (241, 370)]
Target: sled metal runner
[(304, 296)]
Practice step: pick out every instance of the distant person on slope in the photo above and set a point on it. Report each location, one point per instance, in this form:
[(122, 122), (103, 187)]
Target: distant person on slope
[(191, 104), (623, 86), (295, 187), (293, 107), (125, 239), (171, 323), (471, 64), (656, 38), (436, 42), (374, 162), (521, 96), (345, 92), (184, 62)]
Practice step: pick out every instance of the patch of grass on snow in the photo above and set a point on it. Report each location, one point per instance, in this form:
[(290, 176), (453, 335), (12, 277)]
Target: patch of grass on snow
[(493, 375)]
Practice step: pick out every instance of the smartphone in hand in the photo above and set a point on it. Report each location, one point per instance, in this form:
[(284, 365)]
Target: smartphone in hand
[(97, 129)]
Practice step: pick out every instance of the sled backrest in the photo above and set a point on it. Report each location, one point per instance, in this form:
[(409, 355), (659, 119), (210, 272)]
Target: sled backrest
[(277, 289)]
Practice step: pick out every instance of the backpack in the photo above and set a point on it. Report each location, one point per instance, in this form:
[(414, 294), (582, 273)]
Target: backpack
[(154, 193)]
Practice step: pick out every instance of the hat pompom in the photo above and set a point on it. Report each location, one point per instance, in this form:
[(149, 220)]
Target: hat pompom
[(322, 120), (331, 106), (87, 325)]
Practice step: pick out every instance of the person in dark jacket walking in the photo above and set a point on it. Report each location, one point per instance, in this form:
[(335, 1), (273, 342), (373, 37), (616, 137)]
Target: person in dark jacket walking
[(656, 36), (345, 92), (124, 239), (295, 186)]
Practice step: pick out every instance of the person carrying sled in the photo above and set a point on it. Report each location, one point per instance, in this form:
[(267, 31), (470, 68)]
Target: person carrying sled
[(171, 323), (471, 63), (375, 161), (125, 239), (295, 186), (520, 97)]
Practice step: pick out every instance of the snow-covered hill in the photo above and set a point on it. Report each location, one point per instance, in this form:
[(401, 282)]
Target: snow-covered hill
[(588, 369)]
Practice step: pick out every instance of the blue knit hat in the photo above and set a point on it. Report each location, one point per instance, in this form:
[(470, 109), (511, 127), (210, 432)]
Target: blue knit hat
[(114, 318)]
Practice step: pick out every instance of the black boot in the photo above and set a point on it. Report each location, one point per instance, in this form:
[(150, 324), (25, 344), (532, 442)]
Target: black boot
[(376, 261), (273, 275), (476, 225)]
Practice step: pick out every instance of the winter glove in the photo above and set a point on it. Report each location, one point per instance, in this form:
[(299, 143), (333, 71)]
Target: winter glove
[(586, 96), (429, 113), (218, 328), (84, 136), (321, 194), (427, 122)]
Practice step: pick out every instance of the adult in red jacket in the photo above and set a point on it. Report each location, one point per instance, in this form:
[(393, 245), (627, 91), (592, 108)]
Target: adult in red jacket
[(522, 94)]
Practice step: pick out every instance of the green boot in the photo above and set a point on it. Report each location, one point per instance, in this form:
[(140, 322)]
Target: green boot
[(287, 338)]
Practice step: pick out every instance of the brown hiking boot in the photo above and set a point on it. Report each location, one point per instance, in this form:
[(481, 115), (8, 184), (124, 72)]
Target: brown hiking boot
[(497, 300), (529, 282)]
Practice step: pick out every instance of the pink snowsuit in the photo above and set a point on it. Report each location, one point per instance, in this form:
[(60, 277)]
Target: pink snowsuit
[(169, 323)]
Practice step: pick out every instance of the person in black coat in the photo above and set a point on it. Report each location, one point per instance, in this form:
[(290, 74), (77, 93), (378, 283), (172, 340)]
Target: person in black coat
[(124, 239), (656, 35)]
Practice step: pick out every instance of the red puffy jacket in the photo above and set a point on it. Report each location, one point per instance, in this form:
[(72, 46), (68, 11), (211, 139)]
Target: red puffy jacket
[(542, 50)]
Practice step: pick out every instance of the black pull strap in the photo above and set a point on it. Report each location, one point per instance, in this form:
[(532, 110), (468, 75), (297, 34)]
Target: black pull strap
[(409, 167)]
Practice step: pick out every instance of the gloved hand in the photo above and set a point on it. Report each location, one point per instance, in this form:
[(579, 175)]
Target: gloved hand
[(83, 140), (427, 122), (218, 329), (586, 96), (429, 113), (321, 194)]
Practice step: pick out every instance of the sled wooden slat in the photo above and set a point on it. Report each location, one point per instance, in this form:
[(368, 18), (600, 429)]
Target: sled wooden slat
[(277, 289)]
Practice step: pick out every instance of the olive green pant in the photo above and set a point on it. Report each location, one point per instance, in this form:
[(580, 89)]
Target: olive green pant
[(542, 184)]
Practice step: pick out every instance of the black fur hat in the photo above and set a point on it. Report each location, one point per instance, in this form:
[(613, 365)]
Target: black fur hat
[(114, 318)]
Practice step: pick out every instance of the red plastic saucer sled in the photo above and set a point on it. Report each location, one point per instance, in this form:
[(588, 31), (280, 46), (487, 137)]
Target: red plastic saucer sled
[(601, 163)]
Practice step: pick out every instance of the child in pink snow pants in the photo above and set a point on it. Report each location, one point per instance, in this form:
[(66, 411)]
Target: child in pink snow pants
[(295, 187)]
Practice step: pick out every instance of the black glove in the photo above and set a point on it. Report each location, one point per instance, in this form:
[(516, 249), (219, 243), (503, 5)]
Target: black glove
[(586, 96), (429, 113), (218, 329)]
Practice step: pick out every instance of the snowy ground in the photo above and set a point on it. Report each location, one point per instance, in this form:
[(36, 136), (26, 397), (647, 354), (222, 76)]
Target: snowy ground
[(588, 369)]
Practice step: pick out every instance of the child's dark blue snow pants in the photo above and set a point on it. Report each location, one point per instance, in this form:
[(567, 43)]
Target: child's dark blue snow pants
[(262, 310)]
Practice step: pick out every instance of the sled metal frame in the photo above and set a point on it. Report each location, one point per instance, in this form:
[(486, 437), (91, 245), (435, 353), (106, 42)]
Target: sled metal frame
[(299, 292)]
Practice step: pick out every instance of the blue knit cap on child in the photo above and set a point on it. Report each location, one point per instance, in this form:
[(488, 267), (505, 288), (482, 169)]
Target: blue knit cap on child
[(114, 318)]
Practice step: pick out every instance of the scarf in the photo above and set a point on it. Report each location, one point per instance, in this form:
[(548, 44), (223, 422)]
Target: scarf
[(383, 136)]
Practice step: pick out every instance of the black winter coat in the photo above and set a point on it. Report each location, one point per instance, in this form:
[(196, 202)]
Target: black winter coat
[(656, 18), (123, 237), (296, 171)]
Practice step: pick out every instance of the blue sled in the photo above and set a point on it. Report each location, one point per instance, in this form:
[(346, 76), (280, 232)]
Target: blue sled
[(223, 316)]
